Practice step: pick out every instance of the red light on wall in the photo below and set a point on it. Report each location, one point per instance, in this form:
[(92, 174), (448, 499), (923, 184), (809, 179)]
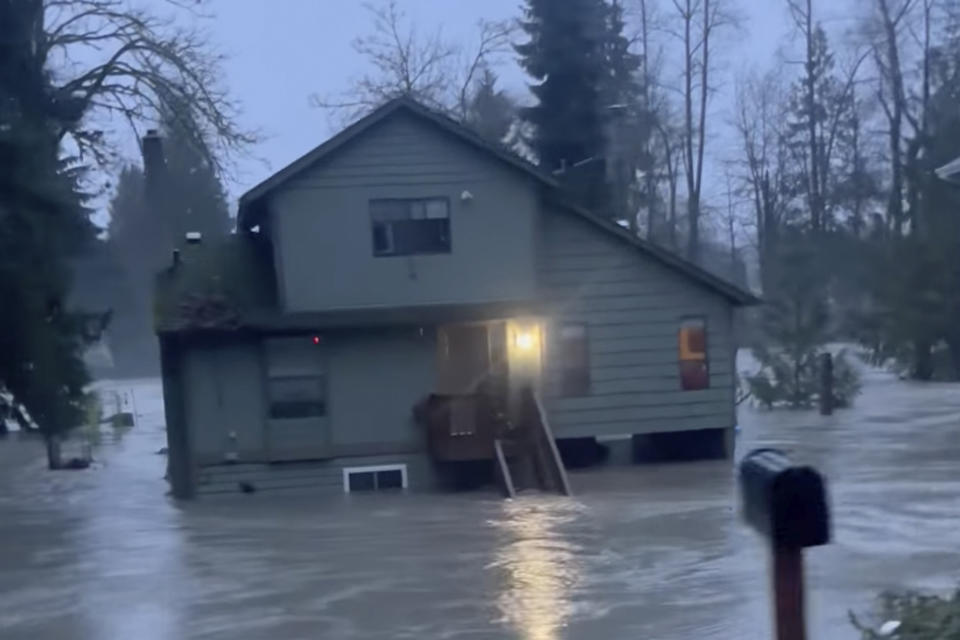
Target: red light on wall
[(316, 339)]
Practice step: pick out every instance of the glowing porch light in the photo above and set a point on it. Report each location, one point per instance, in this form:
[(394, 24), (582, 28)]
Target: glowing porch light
[(525, 340)]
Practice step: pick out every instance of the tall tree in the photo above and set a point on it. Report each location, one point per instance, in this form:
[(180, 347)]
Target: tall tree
[(403, 61), (626, 115), (490, 112), (822, 108), (564, 55), (698, 22), (759, 115), (50, 97), (42, 223)]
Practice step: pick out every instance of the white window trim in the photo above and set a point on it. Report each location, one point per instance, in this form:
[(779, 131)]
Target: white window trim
[(402, 468)]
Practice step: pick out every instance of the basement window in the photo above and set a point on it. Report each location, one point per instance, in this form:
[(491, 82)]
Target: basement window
[(405, 227), (694, 368), (375, 478)]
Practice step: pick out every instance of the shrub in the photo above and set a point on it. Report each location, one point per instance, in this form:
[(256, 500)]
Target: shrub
[(913, 616)]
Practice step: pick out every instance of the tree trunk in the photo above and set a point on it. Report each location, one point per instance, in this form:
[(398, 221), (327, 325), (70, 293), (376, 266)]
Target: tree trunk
[(54, 459), (954, 345), (816, 204), (922, 360)]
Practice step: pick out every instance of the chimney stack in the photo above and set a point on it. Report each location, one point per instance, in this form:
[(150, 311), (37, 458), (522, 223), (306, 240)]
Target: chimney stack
[(154, 165)]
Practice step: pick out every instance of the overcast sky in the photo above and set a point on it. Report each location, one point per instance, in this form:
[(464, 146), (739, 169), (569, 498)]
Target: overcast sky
[(280, 52)]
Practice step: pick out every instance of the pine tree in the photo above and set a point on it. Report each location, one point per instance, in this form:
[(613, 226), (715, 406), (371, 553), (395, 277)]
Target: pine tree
[(565, 58), (620, 84), (143, 237), (195, 199), (491, 112), (43, 222)]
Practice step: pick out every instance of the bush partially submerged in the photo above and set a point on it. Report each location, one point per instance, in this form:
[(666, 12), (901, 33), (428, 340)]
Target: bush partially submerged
[(793, 379), (913, 616)]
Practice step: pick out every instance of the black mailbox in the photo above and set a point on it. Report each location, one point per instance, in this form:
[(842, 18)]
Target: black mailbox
[(787, 504)]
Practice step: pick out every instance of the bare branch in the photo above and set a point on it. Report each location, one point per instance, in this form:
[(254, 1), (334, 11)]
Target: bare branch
[(145, 68)]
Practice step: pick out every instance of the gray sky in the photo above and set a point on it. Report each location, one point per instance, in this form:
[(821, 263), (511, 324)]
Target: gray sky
[(282, 51)]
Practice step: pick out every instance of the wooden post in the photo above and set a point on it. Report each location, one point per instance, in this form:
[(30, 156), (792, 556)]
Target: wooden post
[(788, 593), (826, 384)]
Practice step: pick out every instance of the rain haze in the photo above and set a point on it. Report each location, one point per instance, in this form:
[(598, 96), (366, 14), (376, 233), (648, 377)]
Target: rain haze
[(537, 319)]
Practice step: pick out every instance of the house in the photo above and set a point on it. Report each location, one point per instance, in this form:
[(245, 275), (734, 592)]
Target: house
[(404, 300)]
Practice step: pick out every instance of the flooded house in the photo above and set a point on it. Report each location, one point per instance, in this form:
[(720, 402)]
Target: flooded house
[(407, 303)]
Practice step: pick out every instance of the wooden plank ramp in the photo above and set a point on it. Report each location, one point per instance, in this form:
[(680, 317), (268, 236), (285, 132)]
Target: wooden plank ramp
[(553, 474), (504, 470)]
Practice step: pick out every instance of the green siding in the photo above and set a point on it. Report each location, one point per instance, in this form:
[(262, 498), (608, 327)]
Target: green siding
[(322, 233), (375, 380), (323, 477), (224, 395), (632, 307)]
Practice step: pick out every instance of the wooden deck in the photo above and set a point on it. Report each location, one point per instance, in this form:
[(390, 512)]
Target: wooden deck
[(463, 428)]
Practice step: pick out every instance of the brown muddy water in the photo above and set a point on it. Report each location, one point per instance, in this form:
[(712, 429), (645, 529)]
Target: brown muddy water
[(641, 552)]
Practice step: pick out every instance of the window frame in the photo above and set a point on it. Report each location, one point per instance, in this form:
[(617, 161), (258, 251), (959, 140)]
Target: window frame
[(565, 383), (320, 375), (375, 469), (386, 225), (706, 352)]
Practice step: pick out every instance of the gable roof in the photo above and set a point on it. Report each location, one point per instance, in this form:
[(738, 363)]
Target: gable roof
[(251, 209)]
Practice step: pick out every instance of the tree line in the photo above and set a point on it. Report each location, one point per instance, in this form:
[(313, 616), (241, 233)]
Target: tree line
[(75, 78)]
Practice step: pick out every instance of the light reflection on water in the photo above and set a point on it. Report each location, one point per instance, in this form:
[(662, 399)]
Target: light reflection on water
[(541, 567)]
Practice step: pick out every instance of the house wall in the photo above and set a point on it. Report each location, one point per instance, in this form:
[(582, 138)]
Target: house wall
[(374, 378), (323, 238), (632, 307), (316, 477), (224, 394)]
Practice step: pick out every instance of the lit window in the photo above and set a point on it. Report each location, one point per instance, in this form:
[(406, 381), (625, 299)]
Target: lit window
[(411, 226), (694, 368), (296, 380), (574, 360)]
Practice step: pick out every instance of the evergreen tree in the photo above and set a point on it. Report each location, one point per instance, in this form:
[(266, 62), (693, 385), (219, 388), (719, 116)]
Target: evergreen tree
[(143, 237), (194, 198), (42, 223), (564, 56), (491, 112), (620, 82), (795, 328)]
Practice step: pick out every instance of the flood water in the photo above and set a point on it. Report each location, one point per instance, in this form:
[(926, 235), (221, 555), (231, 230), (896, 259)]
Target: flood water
[(639, 552)]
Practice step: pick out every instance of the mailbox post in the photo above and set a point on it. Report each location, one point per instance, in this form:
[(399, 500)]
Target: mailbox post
[(787, 504)]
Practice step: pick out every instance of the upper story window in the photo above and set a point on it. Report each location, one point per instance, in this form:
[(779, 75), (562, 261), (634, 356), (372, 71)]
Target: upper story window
[(694, 368), (404, 227)]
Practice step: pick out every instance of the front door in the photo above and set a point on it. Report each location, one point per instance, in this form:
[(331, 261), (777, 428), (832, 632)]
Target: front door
[(466, 357)]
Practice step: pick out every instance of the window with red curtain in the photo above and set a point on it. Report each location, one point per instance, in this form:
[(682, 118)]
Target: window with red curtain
[(694, 367)]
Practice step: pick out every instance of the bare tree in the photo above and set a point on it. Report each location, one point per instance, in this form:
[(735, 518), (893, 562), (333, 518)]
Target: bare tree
[(824, 109), (429, 68), (144, 66), (698, 21), (759, 114), (887, 29)]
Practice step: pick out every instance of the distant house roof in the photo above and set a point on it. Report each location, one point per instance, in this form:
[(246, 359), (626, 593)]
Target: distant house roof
[(251, 208)]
